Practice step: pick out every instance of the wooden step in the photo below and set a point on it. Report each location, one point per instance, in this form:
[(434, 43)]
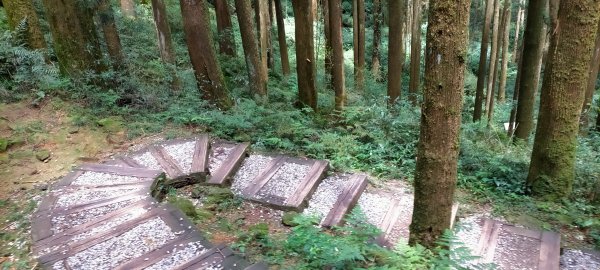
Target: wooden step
[(220, 256), (223, 174), (346, 200), (123, 161), (187, 169)]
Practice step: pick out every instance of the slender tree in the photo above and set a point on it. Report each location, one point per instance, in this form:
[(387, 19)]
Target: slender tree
[(18, 11), (533, 40), (262, 24), (256, 79), (552, 168), (111, 34), (505, 41), (165, 44), (395, 51), (199, 41), (415, 52), (591, 83), (489, 7), (520, 19), (327, 34), (283, 50), (128, 8), (375, 64), (337, 68), (358, 16), (226, 41), (513, 111), (437, 151), (305, 53), (493, 58)]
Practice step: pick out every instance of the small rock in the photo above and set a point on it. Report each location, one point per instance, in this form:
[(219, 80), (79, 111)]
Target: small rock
[(73, 130), (34, 172), (42, 155), (288, 218), (41, 186)]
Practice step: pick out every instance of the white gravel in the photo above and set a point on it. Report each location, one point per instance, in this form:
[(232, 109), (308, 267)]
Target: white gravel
[(285, 181), (183, 154), (468, 232), (58, 265), (374, 206), (119, 249), (146, 159), (572, 259), (89, 195), (515, 251), (99, 178), (326, 195), (217, 156), (178, 256), (400, 231), (250, 168)]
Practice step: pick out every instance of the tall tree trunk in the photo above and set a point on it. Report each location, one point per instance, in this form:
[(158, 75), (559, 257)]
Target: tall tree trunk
[(165, 45), (505, 41), (552, 168), (262, 23), (591, 83), (375, 64), (485, 33), (111, 34), (415, 53), (395, 52), (337, 68), (513, 111), (489, 97), (199, 41), (437, 151), (226, 41), (305, 53), (283, 50), (359, 43), (74, 35), (128, 8), (255, 77), (19, 10), (533, 41), (327, 34), (520, 19)]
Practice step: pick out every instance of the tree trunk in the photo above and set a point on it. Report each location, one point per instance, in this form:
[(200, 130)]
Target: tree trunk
[(165, 45), (533, 41), (226, 41), (515, 98), (489, 97), (552, 168), (395, 52), (505, 41), (74, 35), (305, 53), (489, 7), (337, 68), (375, 64), (199, 41), (262, 24), (19, 10), (415, 53), (327, 34), (111, 34), (283, 50), (437, 151), (591, 83), (255, 77), (359, 43), (520, 18), (128, 8)]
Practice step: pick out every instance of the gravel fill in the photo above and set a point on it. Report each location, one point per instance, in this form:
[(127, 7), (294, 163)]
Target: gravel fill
[(468, 232), (99, 178), (147, 159), (58, 265), (250, 168), (400, 231), (89, 195), (285, 181), (515, 251), (572, 259), (374, 206), (217, 156), (119, 249), (183, 154), (178, 256), (326, 195)]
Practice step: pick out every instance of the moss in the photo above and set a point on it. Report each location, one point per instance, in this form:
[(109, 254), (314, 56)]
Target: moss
[(288, 218)]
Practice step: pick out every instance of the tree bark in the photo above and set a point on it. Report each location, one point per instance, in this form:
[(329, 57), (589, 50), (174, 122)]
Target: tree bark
[(489, 97), (255, 77), (591, 83), (552, 168), (395, 51), (337, 68), (327, 34), (415, 53), (165, 45), (485, 33), (505, 41), (226, 41), (199, 41), (19, 10), (262, 23), (515, 98), (111, 34), (128, 8), (359, 44), (305, 53), (375, 64), (437, 151), (520, 18), (283, 50), (533, 42), (74, 35)]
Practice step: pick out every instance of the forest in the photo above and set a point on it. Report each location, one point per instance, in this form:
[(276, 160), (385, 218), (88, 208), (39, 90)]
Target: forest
[(300, 134)]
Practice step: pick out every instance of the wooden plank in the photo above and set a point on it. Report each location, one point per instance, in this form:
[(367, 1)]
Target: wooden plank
[(309, 184), (490, 247), (168, 164), (549, 251), (258, 266), (200, 158), (230, 165), (67, 179), (388, 221), (129, 161), (125, 171), (453, 214), (262, 178), (346, 201)]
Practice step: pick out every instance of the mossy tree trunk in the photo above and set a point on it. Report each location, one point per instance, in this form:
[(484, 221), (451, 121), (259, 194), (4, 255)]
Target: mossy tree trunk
[(305, 53), (19, 10), (283, 49), (415, 53), (263, 28), (337, 68), (489, 97), (226, 41), (165, 44), (518, 23), (375, 64), (506, 14), (128, 8), (358, 25), (552, 168), (591, 83), (482, 71), (111, 34), (327, 34), (74, 35), (437, 151), (249, 42), (199, 41), (395, 51)]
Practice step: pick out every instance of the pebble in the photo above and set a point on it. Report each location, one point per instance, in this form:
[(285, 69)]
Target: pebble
[(468, 232), (179, 256), (573, 259), (250, 168), (217, 156), (326, 195), (516, 252), (146, 159), (374, 206), (285, 181), (99, 178), (183, 154), (89, 195)]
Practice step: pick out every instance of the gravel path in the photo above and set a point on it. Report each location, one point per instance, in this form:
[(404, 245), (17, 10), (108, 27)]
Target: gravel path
[(250, 168), (400, 231), (98, 178), (183, 154), (179, 255), (374, 206), (572, 259), (285, 181), (217, 156), (146, 159), (89, 195), (468, 232), (516, 252), (326, 195)]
